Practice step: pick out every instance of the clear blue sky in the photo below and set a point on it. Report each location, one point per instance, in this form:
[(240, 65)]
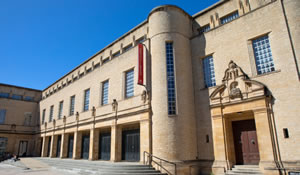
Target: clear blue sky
[(42, 40)]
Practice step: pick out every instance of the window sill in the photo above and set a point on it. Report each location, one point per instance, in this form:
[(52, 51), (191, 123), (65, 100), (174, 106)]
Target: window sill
[(269, 73)]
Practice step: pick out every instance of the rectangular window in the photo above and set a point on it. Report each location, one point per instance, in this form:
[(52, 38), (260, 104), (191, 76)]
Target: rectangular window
[(170, 79), (4, 95), (105, 60), (16, 97), (129, 83), (86, 100), (51, 113), (205, 28), (43, 116), (2, 116), (104, 99), (229, 17), (60, 109), (116, 54), (28, 98), (209, 71), (128, 47), (96, 65), (263, 55), (72, 105), (141, 39)]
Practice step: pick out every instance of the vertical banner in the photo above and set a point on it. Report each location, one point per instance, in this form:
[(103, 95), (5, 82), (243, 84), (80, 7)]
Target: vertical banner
[(141, 65)]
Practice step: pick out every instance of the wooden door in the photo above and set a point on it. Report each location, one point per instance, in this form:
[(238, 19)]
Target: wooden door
[(58, 146), (23, 148), (131, 145), (70, 146), (245, 142), (85, 146), (104, 146)]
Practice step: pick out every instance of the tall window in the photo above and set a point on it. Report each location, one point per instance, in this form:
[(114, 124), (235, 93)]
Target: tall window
[(129, 83), (60, 109), (263, 55), (51, 113), (104, 99), (86, 100), (72, 105), (209, 71), (2, 115), (229, 17), (170, 79), (43, 116)]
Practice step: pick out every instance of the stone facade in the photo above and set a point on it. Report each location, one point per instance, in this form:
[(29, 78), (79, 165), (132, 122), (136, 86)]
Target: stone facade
[(200, 136)]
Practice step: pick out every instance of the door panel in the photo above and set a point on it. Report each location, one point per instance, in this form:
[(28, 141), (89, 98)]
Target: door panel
[(58, 146), (104, 146), (23, 148), (245, 142), (70, 146), (85, 146), (131, 145), (49, 146)]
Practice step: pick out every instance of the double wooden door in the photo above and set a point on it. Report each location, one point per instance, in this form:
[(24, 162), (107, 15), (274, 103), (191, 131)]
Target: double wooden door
[(22, 148), (85, 146), (104, 146), (70, 146), (58, 146), (245, 142), (131, 145)]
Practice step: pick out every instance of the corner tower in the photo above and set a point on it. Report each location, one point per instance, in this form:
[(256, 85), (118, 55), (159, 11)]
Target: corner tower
[(174, 124)]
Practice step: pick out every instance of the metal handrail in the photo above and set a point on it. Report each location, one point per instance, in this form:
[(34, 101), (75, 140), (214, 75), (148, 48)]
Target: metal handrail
[(150, 161)]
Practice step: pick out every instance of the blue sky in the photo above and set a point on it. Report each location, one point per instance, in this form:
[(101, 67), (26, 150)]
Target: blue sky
[(42, 40)]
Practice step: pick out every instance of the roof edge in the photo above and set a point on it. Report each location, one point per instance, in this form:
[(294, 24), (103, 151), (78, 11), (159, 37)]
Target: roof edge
[(20, 87)]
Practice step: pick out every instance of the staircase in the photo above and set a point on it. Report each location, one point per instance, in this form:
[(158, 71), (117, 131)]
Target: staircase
[(244, 169), (85, 167)]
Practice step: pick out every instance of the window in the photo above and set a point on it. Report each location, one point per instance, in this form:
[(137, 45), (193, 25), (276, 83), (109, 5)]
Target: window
[(2, 115), (263, 55), (209, 71), (16, 97), (4, 95), (72, 105), (141, 39), (229, 17), (170, 79), (205, 28), (51, 113), (105, 60), (86, 100), (43, 116), (116, 54), (104, 99), (129, 83), (28, 98), (89, 70), (126, 48), (60, 110), (96, 65)]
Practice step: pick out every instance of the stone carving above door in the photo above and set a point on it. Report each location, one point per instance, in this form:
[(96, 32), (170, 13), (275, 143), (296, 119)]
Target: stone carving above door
[(236, 87)]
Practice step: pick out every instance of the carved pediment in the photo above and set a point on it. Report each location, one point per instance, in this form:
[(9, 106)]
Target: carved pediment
[(236, 86)]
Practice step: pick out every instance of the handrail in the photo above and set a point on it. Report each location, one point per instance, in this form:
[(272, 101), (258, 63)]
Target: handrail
[(150, 161)]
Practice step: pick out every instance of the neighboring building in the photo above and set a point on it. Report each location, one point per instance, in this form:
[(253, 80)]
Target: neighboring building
[(221, 89), (19, 120)]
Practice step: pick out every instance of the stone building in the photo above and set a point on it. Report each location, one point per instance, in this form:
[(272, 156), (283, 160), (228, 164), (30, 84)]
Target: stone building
[(19, 120), (221, 88)]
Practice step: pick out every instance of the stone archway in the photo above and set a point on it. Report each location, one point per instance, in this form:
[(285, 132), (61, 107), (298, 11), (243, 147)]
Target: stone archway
[(239, 98)]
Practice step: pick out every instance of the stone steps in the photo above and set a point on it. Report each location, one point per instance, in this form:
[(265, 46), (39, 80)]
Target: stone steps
[(85, 167), (244, 169)]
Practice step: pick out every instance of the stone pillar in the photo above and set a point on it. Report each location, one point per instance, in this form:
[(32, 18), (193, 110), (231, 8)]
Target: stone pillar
[(64, 145), (145, 137), (44, 149), (265, 143), (94, 144), (77, 145), (116, 151), (53, 146)]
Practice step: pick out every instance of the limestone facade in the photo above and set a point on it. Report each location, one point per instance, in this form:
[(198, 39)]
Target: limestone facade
[(200, 136)]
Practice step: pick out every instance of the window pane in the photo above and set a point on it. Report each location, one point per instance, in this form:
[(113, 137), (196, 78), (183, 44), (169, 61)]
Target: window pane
[(263, 55), (129, 84), (4, 95), (170, 79), (60, 109), (51, 113), (105, 93), (28, 98), (209, 71), (16, 97), (86, 100), (2, 116), (43, 117), (72, 104), (229, 17)]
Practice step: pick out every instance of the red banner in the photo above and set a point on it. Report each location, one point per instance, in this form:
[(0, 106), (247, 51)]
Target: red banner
[(141, 65)]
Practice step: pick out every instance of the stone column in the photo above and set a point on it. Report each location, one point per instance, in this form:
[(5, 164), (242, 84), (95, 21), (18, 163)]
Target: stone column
[(145, 137), (53, 146), (115, 151), (94, 144), (264, 138), (77, 145), (44, 149), (64, 145)]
